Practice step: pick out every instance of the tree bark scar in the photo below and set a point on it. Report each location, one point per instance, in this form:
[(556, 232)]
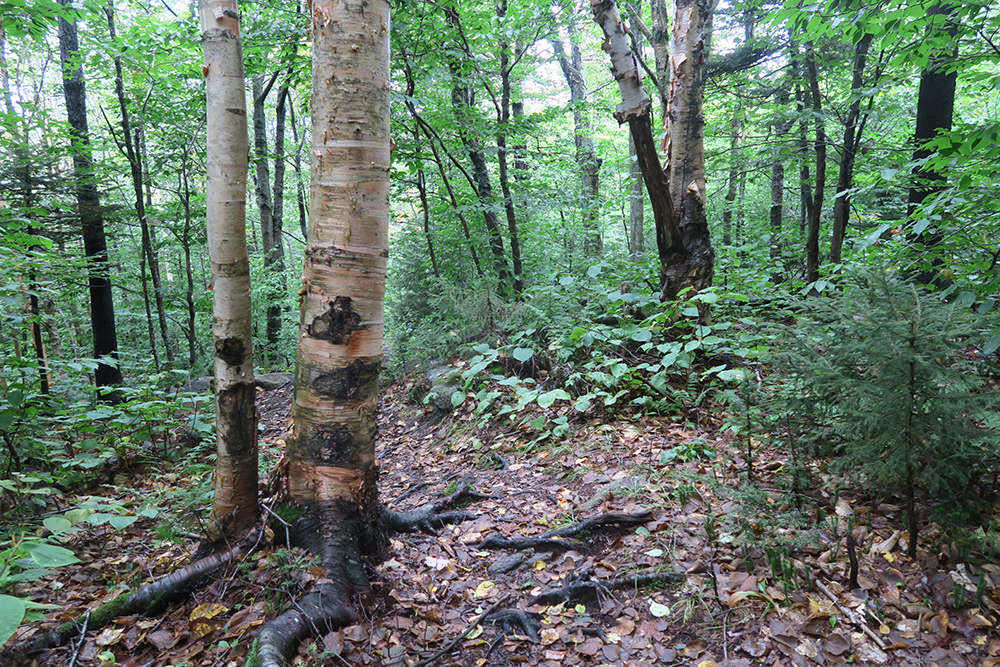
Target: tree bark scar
[(338, 323), (357, 380), (230, 350)]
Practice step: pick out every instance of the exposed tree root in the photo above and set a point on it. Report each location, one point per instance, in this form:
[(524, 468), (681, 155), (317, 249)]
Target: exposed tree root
[(346, 542), (555, 540), (584, 589), (147, 601)]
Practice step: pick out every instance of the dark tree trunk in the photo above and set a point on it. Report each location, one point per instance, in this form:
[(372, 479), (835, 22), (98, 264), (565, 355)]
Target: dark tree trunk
[(425, 207), (95, 246), (935, 112), (462, 103), (686, 122), (502, 131), (781, 129), (852, 138), (270, 232), (815, 214)]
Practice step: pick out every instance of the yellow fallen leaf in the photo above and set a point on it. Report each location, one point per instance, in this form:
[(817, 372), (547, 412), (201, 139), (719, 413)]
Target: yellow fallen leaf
[(549, 636), (888, 556), (207, 611), (540, 565), (484, 588), (884, 629)]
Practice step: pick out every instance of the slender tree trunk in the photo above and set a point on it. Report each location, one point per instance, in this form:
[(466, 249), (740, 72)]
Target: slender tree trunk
[(95, 247), (845, 177), (776, 216), (502, 130), (735, 167), (636, 231), (461, 102), (300, 198), (586, 158), (815, 214), (131, 152), (425, 207), (270, 233), (235, 507), (188, 269)]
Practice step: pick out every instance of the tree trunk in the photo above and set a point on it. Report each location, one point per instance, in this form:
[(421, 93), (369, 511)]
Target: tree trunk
[(235, 507), (586, 159), (661, 53), (636, 232), (815, 213), (425, 207), (188, 269), (634, 110), (692, 31), (135, 162), (503, 128), (735, 126), (781, 128), (935, 112), (852, 137), (95, 246), (332, 470), (270, 233), (462, 103)]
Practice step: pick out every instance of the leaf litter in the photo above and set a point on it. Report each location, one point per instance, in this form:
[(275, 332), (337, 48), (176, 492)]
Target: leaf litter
[(742, 587)]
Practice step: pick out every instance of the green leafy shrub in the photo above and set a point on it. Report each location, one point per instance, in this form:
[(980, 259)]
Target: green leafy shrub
[(882, 374)]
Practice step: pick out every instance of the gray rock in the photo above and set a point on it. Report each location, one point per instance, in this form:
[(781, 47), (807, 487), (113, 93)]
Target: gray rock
[(202, 385), (271, 381), (507, 563), (444, 381)]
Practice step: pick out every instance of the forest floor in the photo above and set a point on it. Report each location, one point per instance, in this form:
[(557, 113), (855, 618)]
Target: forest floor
[(758, 582)]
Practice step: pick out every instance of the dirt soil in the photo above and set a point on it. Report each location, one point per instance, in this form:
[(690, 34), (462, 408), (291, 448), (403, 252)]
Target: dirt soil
[(759, 581)]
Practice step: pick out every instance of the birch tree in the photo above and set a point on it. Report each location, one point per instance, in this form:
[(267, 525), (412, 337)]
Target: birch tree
[(235, 508)]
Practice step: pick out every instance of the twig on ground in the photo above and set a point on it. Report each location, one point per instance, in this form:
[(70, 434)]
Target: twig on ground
[(465, 633), (850, 614), (554, 539), (79, 644)]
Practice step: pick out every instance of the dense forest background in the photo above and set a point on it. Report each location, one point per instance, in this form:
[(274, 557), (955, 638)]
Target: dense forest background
[(837, 301)]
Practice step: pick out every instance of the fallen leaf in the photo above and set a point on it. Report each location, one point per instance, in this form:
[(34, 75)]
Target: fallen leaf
[(658, 610)]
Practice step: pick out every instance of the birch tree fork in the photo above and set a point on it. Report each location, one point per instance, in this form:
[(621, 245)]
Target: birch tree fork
[(235, 508)]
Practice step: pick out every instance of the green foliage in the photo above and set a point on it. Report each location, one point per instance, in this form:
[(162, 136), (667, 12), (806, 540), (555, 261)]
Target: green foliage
[(886, 378)]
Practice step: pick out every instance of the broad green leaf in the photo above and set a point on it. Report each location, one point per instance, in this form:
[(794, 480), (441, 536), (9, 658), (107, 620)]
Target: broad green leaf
[(548, 398), (594, 270), (888, 173), (538, 423), (690, 311), (522, 354), (119, 522), (992, 344), (11, 615), (642, 336), (457, 398), (49, 555), (57, 524), (566, 280)]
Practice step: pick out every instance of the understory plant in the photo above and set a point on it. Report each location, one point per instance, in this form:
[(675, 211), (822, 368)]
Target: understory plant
[(890, 382)]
